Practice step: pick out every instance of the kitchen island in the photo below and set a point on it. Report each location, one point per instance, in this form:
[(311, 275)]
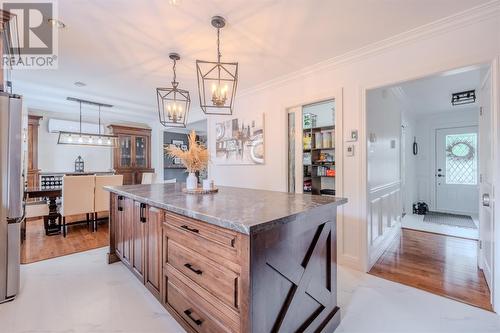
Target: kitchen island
[(239, 260)]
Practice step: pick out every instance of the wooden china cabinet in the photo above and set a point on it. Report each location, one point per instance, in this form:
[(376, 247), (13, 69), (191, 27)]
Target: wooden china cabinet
[(132, 157), (33, 178)]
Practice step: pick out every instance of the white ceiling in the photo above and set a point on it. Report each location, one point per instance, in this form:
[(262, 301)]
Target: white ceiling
[(119, 48), (433, 94)]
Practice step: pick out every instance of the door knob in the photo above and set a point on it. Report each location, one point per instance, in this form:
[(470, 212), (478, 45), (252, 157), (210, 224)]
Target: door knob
[(486, 200)]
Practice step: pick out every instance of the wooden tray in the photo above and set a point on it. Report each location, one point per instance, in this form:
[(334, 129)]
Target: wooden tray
[(200, 190)]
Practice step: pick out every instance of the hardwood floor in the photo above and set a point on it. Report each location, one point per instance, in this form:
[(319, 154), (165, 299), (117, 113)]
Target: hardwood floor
[(439, 264), (38, 246)]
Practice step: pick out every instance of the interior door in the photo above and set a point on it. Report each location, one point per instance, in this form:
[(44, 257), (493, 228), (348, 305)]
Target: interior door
[(486, 209), (456, 175)]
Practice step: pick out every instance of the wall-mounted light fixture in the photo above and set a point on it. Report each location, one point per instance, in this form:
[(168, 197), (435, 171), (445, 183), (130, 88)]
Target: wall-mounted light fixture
[(464, 97)]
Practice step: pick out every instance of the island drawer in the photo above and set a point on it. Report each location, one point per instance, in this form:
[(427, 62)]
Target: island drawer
[(216, 243), (215, 278), (194, 309)]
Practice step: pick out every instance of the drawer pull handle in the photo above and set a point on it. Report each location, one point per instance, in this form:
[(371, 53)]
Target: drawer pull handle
[(196, 321), (190, 229), (120, 209), (197, 271)]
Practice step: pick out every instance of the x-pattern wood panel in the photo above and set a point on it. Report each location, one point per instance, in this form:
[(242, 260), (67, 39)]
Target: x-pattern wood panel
[(299, 274)]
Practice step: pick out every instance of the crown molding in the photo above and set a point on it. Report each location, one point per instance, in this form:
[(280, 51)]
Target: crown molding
[(447, 24)]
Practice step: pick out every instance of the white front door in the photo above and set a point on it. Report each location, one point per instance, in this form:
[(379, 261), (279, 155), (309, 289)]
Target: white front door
[(486, 182), (456, 173)]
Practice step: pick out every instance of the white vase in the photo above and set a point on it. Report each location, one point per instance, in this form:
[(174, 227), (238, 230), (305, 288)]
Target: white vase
[(191, 181)]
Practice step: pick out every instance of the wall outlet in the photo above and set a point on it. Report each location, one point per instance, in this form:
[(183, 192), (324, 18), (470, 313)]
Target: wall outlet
[(350, 150)]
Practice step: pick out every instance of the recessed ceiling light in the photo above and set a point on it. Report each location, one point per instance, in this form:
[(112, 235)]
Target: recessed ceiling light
[(174, 2), (56, 23), (80, 84)]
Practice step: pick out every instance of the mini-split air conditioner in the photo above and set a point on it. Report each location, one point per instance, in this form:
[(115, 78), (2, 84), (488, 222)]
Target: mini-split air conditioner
[(60, 125)]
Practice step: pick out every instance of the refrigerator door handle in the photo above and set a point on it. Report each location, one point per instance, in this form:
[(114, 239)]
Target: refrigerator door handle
[(15, 180)]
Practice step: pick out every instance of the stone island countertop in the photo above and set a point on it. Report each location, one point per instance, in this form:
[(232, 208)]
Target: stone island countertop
[(243, 210)]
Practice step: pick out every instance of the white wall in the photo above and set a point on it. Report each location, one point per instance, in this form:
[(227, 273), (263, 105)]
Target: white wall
[(383, 119), (419, 53), (383, 126), (426, 138), (409, 192)]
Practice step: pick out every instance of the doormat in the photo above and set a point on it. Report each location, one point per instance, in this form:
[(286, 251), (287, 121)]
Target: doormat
[(454, 220)]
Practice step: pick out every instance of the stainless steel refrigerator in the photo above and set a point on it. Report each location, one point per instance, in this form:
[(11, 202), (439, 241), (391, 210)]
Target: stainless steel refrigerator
[(12, 159)]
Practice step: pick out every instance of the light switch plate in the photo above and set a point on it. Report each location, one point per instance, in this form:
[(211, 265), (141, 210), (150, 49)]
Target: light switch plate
[(353, 136)]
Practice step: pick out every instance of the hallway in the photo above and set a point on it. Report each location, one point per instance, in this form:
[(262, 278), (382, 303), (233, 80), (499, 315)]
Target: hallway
[(439, 264)]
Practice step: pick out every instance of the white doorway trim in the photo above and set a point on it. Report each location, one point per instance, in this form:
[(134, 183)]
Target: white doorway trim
[(495, 86), (330, 94)]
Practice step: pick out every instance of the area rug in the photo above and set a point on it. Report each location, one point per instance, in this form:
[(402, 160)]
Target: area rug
[(454, 220)]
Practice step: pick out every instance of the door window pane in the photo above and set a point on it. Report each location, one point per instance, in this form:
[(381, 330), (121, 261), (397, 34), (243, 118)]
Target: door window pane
[(461, 159)]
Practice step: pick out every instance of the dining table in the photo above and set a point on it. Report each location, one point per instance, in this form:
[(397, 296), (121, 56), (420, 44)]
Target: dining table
[(51, 222)]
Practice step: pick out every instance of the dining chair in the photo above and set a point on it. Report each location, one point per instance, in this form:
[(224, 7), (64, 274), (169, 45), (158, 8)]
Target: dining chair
[(77, 198), (147, 178), (101, 198)]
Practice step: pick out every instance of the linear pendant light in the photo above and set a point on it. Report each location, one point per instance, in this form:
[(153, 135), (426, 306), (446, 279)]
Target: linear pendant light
[(87, 139)]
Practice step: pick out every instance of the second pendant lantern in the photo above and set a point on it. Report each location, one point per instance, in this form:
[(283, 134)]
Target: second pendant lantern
[(217, 81)]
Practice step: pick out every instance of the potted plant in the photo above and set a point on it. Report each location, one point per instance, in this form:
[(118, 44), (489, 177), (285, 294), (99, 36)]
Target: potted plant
[(195, 159)]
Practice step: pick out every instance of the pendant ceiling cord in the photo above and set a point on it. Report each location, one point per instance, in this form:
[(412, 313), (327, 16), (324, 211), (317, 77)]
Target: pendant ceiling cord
[(99, 120), (218, 45), (80, 118), (175, 83), (175, 74), (218, 54)]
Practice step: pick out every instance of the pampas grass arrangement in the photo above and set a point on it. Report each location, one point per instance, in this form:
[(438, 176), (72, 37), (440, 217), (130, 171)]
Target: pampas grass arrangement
[(195, 158)]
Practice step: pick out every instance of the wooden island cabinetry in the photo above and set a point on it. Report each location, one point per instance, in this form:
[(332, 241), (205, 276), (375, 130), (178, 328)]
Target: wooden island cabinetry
[(220, 273)]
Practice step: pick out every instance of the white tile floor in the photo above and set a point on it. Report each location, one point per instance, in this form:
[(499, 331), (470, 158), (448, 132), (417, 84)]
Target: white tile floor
[(81, 293), (416, 222)]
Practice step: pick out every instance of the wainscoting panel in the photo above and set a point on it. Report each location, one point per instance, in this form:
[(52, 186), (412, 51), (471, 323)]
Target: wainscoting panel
[(384, 220)]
